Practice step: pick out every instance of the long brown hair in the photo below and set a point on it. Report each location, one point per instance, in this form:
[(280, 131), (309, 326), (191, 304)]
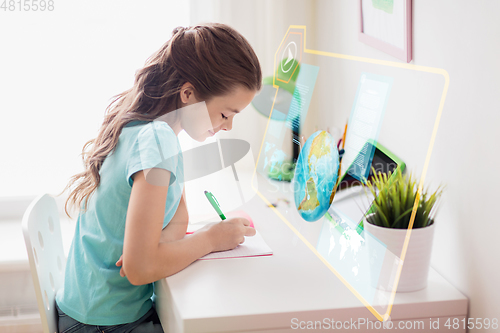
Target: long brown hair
[(213, 57)]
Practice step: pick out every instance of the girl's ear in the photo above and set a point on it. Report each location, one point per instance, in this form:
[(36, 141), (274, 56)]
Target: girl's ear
[(187, 93)]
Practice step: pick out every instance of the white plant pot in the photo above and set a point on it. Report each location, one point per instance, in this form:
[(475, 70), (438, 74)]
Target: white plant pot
[(416, 263)]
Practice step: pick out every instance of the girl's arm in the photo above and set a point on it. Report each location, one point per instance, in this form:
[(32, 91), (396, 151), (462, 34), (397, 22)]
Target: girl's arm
[(177, 227), (145, 258)]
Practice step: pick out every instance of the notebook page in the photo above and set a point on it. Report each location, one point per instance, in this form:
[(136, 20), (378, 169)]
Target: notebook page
[(252, 246)]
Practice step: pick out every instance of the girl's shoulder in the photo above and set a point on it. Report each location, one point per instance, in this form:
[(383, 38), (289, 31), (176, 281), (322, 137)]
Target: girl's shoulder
[(148, 127), (150, 137), (150, 145), (148, 132)]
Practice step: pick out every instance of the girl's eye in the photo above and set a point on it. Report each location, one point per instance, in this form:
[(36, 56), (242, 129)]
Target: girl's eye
[(224, 117)]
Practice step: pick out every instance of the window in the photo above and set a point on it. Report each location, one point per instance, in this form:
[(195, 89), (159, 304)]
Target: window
[(60, 69)]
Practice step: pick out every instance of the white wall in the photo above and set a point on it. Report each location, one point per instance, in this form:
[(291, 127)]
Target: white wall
[(461, 37)]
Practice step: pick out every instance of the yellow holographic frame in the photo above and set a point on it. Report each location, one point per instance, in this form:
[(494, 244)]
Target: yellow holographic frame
[(440, 71)]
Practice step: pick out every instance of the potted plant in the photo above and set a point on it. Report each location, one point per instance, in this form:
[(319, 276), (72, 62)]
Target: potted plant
[(388, 223)]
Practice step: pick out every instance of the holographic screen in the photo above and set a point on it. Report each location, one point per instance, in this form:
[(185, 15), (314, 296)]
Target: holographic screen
[(396, 104)]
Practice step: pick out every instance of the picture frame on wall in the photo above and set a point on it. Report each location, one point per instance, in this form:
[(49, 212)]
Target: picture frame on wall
[(386, 25)]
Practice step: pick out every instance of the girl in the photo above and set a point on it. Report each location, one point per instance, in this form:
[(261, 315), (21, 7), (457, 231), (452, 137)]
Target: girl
[(133, 216)]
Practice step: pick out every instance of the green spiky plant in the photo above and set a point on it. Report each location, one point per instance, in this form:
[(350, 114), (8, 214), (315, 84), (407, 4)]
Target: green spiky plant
[(394, 200)]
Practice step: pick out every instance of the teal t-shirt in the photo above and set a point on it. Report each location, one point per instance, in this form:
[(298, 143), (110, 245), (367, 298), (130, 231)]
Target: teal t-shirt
[(94, 292)]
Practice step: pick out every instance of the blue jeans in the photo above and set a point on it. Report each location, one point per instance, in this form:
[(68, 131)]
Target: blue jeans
[(147, 323)]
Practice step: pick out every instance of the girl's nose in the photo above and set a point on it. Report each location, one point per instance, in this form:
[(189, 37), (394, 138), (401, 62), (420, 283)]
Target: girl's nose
[(228, 125)]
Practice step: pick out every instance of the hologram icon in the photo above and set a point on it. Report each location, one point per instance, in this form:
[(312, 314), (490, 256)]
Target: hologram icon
[(290, 59)]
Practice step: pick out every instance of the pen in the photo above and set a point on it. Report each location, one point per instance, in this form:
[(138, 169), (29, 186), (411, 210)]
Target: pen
[(214, 204), (343, 137)]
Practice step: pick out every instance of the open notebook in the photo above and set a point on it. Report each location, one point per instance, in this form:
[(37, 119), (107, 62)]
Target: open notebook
[(253, 246)]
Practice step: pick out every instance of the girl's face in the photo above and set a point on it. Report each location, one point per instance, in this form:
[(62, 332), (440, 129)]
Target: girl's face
[(202, 120)]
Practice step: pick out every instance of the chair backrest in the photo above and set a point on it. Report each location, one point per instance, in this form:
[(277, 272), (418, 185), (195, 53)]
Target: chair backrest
[(42, 235)]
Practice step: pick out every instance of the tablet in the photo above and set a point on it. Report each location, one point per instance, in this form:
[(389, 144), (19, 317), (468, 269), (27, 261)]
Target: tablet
[(382, 161), (349, 198)]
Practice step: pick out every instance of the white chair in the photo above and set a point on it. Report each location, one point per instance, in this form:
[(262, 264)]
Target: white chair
[(42, 235)]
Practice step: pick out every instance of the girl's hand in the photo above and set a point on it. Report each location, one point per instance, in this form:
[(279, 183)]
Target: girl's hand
[(228, 234), (120, 263)]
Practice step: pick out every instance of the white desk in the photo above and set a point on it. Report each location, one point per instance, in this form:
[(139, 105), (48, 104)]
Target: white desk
[(264, 293)]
